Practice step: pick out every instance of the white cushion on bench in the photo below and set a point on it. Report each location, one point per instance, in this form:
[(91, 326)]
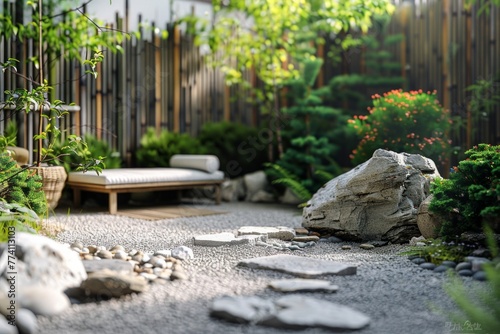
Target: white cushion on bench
[(204, 162), (143, 175)]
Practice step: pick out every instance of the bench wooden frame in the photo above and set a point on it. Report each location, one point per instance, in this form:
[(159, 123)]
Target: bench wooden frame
[(114, 189)]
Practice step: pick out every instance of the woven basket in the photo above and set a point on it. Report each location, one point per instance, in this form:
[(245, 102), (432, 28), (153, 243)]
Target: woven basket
[(53, 180)]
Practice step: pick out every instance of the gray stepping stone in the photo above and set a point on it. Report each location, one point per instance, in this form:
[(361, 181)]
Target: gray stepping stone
[(121, 266), (300, 312), (302, 285), (292, 311), (227, 238), (241, 309), (299, 266), (306, 238), (278, 232)]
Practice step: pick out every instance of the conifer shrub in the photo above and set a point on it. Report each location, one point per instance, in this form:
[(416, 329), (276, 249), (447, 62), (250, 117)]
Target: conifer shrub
[(470, 197), (412, 122), (21, 186)]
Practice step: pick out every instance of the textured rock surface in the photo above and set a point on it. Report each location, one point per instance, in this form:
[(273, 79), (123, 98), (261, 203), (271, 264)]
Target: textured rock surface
[(227, 238), (427, 222), (254, 182), (299, 266), (377, 200), (43, 261), (293, 311), (278, 232)]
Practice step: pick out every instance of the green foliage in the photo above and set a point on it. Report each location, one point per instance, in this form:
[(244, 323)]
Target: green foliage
[(156, 151), (283, 177), (471, 195), (481, 307), (437, 251), (76, 153), (484, 5), (311, 130), (412, 122), (21, 186), (241, 149), (9, 137), (16, 218)]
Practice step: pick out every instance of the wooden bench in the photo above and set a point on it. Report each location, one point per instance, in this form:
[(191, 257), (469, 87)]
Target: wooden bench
[(129, 180)]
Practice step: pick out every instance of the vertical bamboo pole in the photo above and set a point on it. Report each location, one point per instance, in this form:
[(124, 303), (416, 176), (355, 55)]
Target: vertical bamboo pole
[(177, 80), (468, 71), (227, 103), (158, 71), (445, 89)]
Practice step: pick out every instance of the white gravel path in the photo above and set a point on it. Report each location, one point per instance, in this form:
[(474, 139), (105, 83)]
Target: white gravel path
[(395, 293)]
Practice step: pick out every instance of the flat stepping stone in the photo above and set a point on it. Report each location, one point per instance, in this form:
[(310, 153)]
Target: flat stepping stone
[(299, 266), (306, 238), (278, 232), (227, 238), (290, 312), (303, 285), (121, 266)]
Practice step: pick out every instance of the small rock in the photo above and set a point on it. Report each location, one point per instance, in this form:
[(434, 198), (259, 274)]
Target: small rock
[(182, 253), (35, 297), (463, 265), (117, 248), (414, 240), (105, 254), (77, 244), (428, 265), (450, 264), (346, 247), (132, 252), (92, 249), (107, 284), (441, 269), (477, 265), (109, 264), (481, 252), (480, 276), (465, 272), (420, 244), (332, 239), (418, 260), (120, 255), (293, 247), (378, 243), (164, 252), (179, 275), (148, 276), (26, 321), (160, 263), (6, 328), (366, 246), (278, 232), (306, 238), (145, 258), (301, 230)]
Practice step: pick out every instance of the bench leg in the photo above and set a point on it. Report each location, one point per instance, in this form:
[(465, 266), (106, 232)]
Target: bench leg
[(77, 198), (218, 193), (113, 203)]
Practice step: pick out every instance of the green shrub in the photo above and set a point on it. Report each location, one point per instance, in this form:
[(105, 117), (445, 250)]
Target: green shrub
[(471, 195), (412, 122), (156, 151), (84, 151), (437, 251), (240, 148), (21, 186)]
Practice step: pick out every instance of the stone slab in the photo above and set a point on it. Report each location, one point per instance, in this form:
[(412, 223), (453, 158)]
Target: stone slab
[(299, 266), (92, 266), (278, 232), (227, 238), (303, 285)]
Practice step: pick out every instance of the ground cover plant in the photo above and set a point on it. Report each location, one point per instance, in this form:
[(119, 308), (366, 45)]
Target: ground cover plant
[(412, 122), (470, 197)]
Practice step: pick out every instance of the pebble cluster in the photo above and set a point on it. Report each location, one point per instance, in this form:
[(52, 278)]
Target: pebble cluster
[(163, 264), (472, 266)]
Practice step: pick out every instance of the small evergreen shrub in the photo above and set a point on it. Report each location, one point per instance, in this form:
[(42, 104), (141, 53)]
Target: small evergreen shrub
[(241, 149), (156, 151), (412, 122), (437, 251), (471, 195), (21, 186)]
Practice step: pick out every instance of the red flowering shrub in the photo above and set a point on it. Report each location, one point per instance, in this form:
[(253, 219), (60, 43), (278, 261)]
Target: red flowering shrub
[(412, 122)]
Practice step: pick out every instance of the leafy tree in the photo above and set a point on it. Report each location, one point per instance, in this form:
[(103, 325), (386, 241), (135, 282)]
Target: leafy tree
[(269, 35)]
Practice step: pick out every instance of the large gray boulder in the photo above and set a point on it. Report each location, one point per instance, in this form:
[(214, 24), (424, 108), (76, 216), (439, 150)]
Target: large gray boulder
[(377, 200)]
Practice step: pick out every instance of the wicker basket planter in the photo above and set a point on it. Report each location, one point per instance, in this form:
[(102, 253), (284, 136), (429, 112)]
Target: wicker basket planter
[(53, 180)]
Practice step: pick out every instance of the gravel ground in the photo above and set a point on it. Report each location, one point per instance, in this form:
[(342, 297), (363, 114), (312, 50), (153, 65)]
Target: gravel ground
[(395, 293)]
